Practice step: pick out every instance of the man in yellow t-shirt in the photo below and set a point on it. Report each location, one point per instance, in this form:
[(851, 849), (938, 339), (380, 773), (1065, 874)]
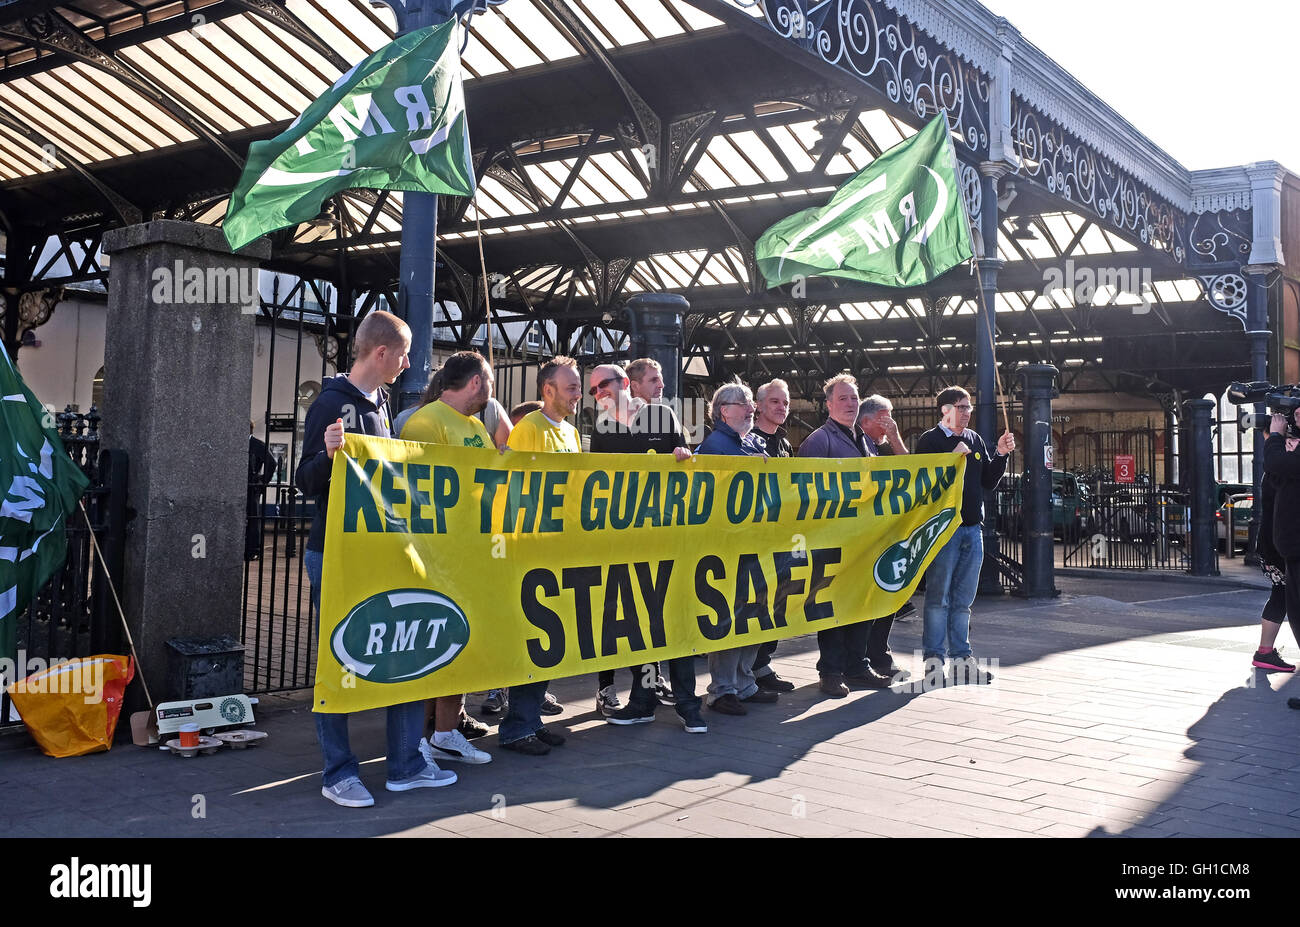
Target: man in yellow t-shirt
[(538, 431), (546, 431), (449, 419)]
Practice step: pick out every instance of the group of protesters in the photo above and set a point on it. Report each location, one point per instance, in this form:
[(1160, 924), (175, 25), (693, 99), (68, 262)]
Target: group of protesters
[(458, 408)]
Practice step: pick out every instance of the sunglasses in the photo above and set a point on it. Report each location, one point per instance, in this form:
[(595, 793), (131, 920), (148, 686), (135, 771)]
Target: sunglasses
[(602, 384)]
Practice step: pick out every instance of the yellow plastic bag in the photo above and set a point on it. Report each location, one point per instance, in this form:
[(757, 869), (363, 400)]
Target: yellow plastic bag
[(72, 708)]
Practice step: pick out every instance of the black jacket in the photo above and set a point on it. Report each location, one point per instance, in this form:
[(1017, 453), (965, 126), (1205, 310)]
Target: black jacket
[(338, 399), (1284, 467)]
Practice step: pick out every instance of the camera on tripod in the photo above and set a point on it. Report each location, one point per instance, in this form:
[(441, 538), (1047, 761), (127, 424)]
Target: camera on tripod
[(1282, 400)]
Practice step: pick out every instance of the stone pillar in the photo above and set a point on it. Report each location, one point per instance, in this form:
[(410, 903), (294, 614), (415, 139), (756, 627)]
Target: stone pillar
[(1201, 495), (655, 323), (1039, 548), (178, 367)]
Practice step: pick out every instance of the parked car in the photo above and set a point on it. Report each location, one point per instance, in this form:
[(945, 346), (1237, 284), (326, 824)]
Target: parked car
[(1234, 515), (1069, 505)]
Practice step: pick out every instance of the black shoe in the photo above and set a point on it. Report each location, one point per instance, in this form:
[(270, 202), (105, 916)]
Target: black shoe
[(833, 685), (550, 706), (729, 705), (906, 613), (495, 702), (760, 697), (774, 683), (693, 722), (867, 679), (548, 738), (892, 671), (664, 695), (472, 728), (633, 714), (1271, 661), (530, 746)]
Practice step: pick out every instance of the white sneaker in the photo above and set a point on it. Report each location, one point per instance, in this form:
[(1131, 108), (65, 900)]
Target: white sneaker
[(455, 747), (431, 777), (349, 793), (607, 701)]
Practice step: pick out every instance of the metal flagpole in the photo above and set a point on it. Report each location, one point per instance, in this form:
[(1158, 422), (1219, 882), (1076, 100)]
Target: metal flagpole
[(487, 289), (1002, 399)]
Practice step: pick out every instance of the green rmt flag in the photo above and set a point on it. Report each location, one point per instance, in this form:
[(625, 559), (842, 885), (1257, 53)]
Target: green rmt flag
[(396, 121), (41, 487), (899, 222)]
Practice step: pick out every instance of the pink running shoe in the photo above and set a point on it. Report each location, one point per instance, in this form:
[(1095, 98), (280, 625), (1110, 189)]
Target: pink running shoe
[(1271, 661)]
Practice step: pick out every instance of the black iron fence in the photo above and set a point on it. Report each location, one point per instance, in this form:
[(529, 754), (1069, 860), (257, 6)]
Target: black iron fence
[(1122, 517), (73, 614), (303, 340)]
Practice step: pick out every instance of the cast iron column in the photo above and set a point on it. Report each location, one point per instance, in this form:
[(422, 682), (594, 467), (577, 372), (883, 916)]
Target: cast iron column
[(1202, 488), (1039, 548), (655, 322), (986, 389), (1258, 333)]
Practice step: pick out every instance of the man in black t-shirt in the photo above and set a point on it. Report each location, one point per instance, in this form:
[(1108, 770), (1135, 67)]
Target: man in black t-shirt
[(631, 426)]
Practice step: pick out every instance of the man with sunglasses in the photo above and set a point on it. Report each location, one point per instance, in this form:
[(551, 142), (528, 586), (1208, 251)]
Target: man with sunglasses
[(631, 426), (953, 577)]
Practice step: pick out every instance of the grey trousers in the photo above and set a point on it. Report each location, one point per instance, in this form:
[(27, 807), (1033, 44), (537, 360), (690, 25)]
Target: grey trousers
[(733, 673)]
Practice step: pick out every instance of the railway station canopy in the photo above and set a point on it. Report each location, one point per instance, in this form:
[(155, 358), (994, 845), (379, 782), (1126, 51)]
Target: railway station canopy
[(632, 146)]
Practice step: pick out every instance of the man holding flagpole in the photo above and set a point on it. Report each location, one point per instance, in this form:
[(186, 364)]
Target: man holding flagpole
[(901, 222)]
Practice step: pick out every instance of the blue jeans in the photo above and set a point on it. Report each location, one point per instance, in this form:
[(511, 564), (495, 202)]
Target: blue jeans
[(405, 722), (950, 587), (524, 717)]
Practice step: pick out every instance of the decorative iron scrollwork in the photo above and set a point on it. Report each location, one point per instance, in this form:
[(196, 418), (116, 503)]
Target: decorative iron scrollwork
[(1072, 170), (891, 54), (1220, 236)]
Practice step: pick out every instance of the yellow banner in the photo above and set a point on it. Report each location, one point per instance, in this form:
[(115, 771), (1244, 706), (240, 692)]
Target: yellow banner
[(451, 569)]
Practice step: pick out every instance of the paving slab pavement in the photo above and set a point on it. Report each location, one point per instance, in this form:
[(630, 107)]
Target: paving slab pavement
[(1123, 707)]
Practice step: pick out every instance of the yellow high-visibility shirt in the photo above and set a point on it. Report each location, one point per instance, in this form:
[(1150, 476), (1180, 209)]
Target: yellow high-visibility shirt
[(439, 423), (536, 432)]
